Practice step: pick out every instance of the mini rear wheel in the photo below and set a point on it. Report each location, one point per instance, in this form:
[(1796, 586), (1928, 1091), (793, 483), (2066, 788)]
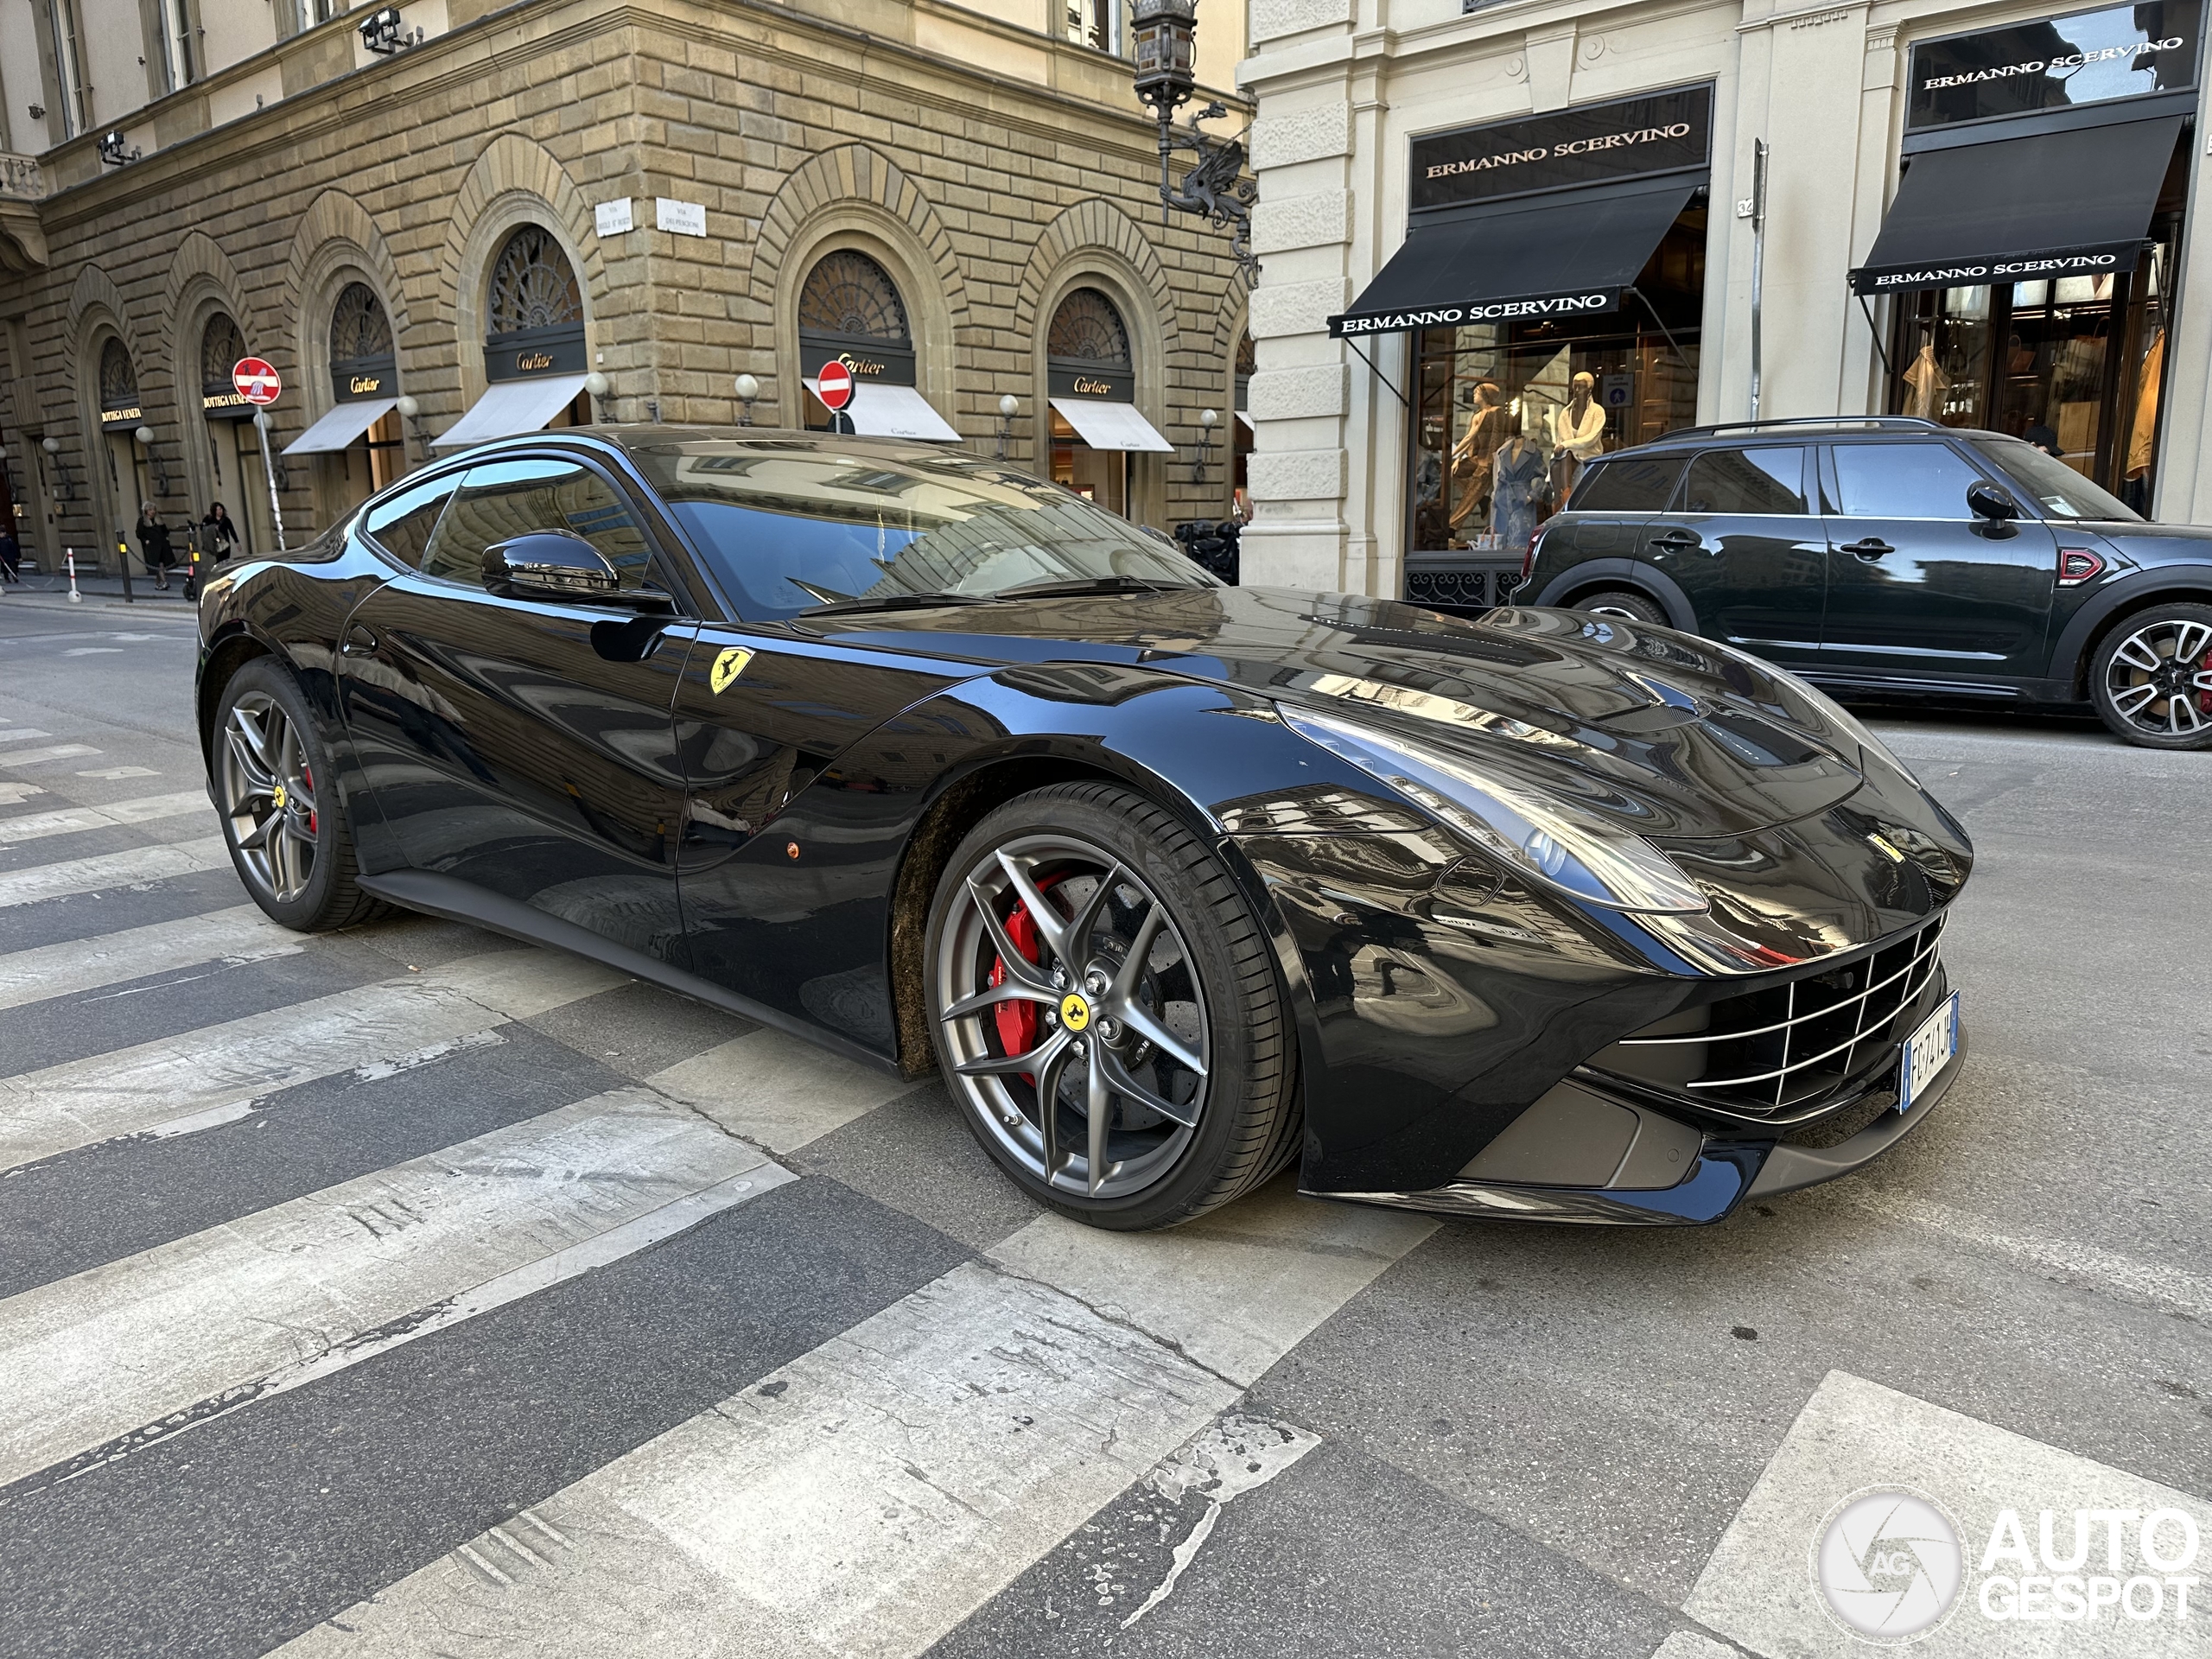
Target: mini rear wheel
[(288, 834), (1107, 1012), (2152, 678), (1624, 602)]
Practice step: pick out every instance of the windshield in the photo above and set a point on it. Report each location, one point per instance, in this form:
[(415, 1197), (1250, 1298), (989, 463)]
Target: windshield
[(791, 524), (2060, 491)]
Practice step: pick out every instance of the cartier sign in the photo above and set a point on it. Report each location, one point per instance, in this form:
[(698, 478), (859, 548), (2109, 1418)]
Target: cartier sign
[(356, 380), (557, 350)]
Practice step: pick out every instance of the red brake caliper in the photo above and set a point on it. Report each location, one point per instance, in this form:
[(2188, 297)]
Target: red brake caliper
[(2204, 698), (1017, 1021), (306, 777)]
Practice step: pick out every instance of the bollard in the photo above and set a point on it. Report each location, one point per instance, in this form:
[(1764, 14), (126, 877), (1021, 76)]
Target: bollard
[(122, 559), (75, 597)]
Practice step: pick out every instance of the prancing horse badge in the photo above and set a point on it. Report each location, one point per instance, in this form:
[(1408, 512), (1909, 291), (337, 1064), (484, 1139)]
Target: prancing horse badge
[(727, 667)]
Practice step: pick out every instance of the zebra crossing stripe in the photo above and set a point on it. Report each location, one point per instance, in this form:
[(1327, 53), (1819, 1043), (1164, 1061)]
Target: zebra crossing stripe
[(108, 870), (141, 1090), (777, 1089), (239, 934), (24, 736), (867, 1497), (40, 757), (96, 1366), (71, 820)]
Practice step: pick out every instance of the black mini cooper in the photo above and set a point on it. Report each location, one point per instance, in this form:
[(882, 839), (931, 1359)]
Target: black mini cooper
[(1895, 557)]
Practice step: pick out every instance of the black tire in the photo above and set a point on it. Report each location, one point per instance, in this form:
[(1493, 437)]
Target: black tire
[(1624, 602), (2151, 678), (1118, 856), (287, 832)]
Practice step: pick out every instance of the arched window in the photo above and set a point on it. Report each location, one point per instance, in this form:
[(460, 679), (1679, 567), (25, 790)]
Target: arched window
[(220, 348), (848, 294), (118, 377), (358, 327), (533, 286), (1088, 329)]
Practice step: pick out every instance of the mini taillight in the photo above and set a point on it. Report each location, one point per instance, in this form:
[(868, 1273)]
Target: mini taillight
[(2077, 565), (1529, 559)]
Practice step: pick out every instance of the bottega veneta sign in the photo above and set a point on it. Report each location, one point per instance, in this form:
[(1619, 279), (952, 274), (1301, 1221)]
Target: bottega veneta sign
[(1591, 143), (2054, 63)]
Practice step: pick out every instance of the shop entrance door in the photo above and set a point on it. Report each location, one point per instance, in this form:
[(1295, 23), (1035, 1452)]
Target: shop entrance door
[(126, 489)]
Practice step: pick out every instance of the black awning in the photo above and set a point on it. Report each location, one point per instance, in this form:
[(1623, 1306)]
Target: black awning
[(1559, 254), (2019, 210)]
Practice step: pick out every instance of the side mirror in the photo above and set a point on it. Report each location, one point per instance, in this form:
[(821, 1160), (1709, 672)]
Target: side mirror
[(1987, 501), (550, 565)]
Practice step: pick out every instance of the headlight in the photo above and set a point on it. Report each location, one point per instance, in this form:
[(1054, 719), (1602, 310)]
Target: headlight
[(1556, 844)]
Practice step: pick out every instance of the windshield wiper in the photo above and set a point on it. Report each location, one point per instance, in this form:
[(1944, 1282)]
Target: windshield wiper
[(896, 602), (1087, 585)]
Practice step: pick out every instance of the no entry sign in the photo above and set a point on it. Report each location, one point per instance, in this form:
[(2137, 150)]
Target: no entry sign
[(835, 386), (256, 380)]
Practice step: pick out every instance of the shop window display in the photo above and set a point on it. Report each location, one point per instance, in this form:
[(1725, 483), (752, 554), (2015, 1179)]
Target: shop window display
[(1507, 415)]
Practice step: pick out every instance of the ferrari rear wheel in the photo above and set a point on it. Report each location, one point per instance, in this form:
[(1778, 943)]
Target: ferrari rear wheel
[(1106, 1011), (2152, 680), (288, 836)]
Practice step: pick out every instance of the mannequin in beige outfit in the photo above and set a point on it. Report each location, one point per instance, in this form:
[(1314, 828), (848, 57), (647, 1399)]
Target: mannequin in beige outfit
[(1578, 432)]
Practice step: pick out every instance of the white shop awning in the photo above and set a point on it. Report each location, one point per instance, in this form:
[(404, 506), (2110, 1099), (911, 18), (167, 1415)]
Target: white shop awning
[(881, 411), (510, 406), (340, 427), (1112, 426)]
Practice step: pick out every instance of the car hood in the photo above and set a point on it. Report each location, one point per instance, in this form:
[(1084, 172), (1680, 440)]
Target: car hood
[(1673, 736)]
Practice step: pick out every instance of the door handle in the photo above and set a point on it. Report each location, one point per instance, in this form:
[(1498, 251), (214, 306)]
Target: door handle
[(1871, 547), (1676, 541)]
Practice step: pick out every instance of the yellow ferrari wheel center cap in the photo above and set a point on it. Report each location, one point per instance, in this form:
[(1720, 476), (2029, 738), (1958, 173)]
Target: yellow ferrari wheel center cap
[(277, 796), (1075, 1013)]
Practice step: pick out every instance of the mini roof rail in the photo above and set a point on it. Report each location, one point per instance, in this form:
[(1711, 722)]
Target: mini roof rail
[(1879, 423)]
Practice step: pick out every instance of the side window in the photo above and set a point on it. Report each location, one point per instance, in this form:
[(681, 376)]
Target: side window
[(1760, 481), (1642, 484), (502, 499), (1902, 481), (402, 526)]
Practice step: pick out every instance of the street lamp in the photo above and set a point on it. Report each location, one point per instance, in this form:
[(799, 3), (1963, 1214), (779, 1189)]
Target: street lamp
[(1208, 419), (144, 439), (1165, 32), (1009, 406), (596, 386), (748, 389), (408, 409), (53, 448)]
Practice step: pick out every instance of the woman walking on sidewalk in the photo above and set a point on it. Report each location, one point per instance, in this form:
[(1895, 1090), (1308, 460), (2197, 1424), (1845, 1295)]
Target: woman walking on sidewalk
[(11, 555), (153, 545), (218, 535)]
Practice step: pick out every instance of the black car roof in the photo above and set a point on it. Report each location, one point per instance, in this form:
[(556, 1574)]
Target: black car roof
[(1827, 428), (648, 437)]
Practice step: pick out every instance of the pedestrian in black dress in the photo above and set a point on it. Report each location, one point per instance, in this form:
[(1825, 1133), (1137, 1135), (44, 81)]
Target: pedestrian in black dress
[(218, 535), (153, 545), (11, 555)]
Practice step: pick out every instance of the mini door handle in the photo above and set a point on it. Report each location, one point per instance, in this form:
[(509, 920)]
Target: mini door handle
[(1677, 539), (1871, 548)]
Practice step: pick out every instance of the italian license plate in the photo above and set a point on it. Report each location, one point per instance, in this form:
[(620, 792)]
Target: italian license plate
[(1927, 1051)]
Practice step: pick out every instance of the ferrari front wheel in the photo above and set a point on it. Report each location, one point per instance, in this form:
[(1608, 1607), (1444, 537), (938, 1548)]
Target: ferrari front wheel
[(1106, 1011)]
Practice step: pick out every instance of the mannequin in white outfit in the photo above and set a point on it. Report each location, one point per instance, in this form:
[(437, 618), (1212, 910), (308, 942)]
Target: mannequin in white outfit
[(1578, 432)]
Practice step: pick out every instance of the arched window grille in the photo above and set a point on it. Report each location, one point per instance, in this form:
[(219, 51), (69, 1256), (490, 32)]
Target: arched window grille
[(533, 286), (118, 376), (848, 294), (358, 327), (1088, 329), (220, 348)]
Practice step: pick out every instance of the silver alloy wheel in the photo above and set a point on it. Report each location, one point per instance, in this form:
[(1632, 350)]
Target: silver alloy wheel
[(2160, 678), (1108, 1088), (269, 796)]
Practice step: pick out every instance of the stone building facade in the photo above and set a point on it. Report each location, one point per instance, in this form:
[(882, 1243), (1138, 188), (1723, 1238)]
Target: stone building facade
[(988, 166)]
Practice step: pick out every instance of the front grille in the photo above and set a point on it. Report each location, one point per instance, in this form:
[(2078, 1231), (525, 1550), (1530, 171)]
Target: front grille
[(1794, 1047)]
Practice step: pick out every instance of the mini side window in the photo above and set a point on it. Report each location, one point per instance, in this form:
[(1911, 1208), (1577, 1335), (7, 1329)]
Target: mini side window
[(402, 526), (1758, 482), (1628, 484)]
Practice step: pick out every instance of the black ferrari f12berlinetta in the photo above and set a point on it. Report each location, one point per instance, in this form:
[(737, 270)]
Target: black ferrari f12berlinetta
[(1546, 916)]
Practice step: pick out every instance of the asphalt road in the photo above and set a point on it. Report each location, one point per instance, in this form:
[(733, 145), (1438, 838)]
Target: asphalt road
[(409, 1292)]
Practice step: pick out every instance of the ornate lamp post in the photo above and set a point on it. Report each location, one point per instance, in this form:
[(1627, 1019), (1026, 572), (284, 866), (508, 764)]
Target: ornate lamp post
[(1215, 187)]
